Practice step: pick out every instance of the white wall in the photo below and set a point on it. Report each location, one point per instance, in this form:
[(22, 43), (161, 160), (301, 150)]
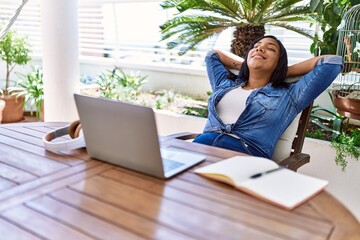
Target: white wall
[(170, 123), (343, 185)]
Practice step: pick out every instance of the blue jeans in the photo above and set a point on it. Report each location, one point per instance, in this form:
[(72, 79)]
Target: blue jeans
[(222, 140)]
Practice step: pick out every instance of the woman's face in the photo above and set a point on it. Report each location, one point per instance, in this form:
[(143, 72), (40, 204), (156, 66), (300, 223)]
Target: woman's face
[(264, 55)]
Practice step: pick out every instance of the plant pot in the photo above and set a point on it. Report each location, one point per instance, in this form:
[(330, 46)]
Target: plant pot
[(14, 109), (348, 107), (2, 106), (42, 115)]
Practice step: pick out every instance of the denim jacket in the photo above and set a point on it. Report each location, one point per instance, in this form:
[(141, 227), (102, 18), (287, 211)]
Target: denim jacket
[(266, 106)]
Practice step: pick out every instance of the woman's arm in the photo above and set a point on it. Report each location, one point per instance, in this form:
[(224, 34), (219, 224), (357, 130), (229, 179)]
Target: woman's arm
[(304, 67), (230, 60)]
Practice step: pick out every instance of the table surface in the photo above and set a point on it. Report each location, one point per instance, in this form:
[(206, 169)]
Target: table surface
[(72, 196)]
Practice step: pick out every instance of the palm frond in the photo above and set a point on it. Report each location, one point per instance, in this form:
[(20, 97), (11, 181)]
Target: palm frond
[(252, 5), (190, 35), (295, 18), (296, 11), (171, 3), (190, 41), (192, 24), (262, 9), (284, 5), (193, 4), (245, 7), (302, 31), (229, 6)]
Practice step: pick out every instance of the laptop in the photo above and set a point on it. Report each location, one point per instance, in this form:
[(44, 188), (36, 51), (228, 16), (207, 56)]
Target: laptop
[(125, 134)]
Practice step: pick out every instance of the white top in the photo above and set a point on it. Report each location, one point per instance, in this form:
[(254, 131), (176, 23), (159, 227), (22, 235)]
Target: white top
[(232, 104)]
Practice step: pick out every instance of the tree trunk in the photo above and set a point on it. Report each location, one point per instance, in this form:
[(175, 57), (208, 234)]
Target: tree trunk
[(243, 36)]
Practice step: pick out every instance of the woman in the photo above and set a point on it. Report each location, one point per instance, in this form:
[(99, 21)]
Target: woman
[(249, 114)]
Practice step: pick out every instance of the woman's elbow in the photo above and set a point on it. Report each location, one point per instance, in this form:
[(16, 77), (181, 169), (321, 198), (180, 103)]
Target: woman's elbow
[(331, 59)]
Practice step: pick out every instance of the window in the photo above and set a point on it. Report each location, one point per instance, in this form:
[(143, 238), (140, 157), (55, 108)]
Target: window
[(129, 31), (28, 22)]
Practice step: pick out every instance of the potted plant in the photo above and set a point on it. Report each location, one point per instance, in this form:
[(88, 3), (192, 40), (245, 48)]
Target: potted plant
[(200, 20), (14, 50), (31, 88), (2, 106)]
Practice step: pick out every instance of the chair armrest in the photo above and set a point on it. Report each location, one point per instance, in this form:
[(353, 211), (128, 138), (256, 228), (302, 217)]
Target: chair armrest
[(295, 161)]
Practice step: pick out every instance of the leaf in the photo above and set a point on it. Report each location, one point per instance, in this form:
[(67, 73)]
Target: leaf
[(169, 4), (323, 117), (314, 4), (172, 44), (326, 128)]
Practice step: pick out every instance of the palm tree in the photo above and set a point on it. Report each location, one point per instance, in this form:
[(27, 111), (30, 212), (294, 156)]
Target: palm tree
[(198, 20)]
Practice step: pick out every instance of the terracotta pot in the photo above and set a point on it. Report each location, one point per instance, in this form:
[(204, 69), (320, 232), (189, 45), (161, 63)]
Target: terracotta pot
[(14, 109), (348, 107), (2, 106), (42, 115)]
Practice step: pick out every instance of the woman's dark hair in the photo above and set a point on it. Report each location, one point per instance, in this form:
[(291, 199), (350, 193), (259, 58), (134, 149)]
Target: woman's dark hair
[(279, 75)]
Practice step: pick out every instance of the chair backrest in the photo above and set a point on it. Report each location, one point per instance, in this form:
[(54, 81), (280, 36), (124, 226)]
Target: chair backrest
[(298, 142), (291, 140)]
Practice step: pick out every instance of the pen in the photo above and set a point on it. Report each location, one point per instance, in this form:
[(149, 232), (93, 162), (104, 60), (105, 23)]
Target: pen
[(266, 172)]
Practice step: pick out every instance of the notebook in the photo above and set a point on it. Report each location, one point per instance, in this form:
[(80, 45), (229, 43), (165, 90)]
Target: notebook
[(125, 134), (264, 179)]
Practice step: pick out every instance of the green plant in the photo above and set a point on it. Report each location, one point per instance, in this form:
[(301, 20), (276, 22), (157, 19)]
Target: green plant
[(199, 110), (329, 16), (117, 84), (31, 87), (317, 134), (159, 103), (196, 111), (170, 96), (14, 50), (346, 144), (332, 117), (198, 20)]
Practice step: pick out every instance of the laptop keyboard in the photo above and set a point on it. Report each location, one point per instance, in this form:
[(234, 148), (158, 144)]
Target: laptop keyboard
[(171, 165)]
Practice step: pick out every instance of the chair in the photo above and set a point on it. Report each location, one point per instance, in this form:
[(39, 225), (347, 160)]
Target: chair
[(296, 158)]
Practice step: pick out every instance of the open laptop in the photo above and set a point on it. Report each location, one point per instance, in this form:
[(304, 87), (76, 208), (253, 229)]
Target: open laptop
[(126, 135)]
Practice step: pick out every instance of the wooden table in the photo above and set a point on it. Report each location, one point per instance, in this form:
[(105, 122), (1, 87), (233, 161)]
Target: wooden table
[(71, 196)]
